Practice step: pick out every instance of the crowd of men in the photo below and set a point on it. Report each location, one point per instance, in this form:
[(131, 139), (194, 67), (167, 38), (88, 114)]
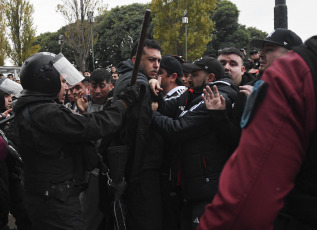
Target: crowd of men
[(212, 144)]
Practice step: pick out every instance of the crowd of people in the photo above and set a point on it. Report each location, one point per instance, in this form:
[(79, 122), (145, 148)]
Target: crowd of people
[(224, 142)]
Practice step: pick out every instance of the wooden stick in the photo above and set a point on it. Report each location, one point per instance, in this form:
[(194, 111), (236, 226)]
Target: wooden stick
[(145, 26)]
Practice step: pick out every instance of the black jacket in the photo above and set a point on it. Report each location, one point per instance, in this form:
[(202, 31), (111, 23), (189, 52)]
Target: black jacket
[(54, 139), (144, 142), (203, 148)]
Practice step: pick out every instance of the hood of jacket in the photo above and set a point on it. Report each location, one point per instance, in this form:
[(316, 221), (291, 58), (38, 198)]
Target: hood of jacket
[(27, 99), (226, 86), (127, 66)]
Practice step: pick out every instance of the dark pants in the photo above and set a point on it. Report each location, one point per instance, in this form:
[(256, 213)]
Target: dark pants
[(172, 202), (90, 200), (53, 214), (287, 222), (142, 198), (191, 213)]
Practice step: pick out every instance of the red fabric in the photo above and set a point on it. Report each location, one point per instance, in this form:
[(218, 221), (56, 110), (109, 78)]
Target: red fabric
[(262, 170), (3, 149)]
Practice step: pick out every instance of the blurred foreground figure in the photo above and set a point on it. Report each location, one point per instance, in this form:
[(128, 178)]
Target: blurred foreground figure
[(271, 180)]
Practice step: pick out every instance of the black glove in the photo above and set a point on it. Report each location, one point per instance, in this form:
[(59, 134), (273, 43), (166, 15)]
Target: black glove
[(130, 94)]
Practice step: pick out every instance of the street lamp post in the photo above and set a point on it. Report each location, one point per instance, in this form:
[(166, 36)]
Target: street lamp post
[(60, 42), (280, 14), (185, 21), (91, 21)]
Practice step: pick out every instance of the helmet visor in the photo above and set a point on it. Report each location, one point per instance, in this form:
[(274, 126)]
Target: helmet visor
[(10, 87), (67, 70)]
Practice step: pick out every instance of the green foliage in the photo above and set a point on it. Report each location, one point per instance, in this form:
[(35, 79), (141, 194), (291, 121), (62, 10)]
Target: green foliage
[(3, 39), (49, 43), (229, 33), (170, 32), (256, 34), (78, 33), (22, 33), (118, 30)]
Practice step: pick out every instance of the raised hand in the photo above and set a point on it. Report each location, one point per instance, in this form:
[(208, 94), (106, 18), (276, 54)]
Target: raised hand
[(213, 101), (155, 86), (246, 89), (81, 102)]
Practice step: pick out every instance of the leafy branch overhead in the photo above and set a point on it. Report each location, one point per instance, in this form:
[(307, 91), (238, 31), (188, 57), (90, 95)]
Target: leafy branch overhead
[(212, 25)]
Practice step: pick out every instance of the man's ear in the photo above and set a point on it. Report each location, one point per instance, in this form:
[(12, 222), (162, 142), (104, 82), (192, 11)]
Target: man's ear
[(210, 78), (173, 77), (133, 59), (111, 86), (243, 69)]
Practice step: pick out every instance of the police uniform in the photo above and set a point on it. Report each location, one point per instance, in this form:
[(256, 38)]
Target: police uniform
[(55, 143)]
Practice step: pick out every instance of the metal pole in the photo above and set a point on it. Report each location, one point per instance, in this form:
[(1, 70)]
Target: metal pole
[(60, 42), (280, 14), (92, 48), (186, 42), (91, 21), (185, 21)]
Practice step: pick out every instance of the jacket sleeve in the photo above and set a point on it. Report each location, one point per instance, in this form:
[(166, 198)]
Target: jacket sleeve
[(170, 107), (192, 122), (270, 153), (229, 126), (66, 125)]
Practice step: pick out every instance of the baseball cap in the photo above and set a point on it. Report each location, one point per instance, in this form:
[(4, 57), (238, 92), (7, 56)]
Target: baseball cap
[(254, 52), (209, 64), (172, 65), (280, 36)]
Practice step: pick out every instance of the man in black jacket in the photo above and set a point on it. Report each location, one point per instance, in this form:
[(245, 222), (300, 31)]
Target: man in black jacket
[(55, 147), (203, 150), (142, 195)]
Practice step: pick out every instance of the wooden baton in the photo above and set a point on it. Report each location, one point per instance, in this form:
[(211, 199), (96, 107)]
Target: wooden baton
[(145, 26)]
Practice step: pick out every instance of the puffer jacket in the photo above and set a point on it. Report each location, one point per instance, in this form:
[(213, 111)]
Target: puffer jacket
[(203, 151)]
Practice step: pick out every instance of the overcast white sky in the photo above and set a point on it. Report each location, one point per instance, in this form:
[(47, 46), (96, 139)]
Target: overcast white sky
[(257, 13)]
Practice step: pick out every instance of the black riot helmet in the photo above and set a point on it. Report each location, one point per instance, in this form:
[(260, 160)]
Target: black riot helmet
[(41, 72)]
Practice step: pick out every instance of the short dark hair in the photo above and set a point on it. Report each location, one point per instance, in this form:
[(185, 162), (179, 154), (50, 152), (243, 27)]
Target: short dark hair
[(178, 81), (231, 50), (150, 43), (100, 75)]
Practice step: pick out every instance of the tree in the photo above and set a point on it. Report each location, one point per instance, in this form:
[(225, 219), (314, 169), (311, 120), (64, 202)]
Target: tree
[(169, 30), (118, 30), (22, 33), (78, 35), (3, 39), (226, 18), (49, 43), (229, 33)]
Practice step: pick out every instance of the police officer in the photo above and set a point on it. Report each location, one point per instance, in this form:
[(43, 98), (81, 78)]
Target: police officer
[(54, 140), (273, 170)]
